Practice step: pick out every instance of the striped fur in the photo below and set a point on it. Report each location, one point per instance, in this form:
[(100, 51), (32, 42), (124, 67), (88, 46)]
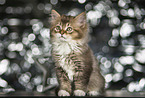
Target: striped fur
[(73, 58)]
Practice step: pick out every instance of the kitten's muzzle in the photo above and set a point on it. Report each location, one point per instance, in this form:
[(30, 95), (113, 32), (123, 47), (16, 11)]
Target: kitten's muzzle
[(63, 37), (62, 32)]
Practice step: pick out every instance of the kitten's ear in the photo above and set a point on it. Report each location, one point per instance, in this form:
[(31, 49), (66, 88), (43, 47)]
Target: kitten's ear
[(81, 19), (54, 15)]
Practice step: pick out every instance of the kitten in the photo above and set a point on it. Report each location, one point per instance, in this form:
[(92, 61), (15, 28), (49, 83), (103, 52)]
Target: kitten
[(77, 70)]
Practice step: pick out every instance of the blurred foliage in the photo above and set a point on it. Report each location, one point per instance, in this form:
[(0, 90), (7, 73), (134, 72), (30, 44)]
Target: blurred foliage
[(117, 39)]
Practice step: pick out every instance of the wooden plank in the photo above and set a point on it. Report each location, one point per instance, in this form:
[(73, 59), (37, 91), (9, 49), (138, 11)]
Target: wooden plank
[(108, 93)]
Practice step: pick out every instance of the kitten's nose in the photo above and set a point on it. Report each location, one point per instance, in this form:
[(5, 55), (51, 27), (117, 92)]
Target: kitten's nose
[(62, 32)]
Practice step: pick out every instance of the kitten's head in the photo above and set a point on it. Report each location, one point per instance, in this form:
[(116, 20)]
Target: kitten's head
[(66, 28)]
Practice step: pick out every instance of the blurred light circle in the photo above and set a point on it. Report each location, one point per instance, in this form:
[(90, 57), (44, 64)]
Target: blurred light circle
[(115, 33), (4, 66), (11, 46), (19, 46), (37, 26), (142, 82), (40, 6), (126, 60), (4, 30), (39, 88), (117, 77), (131, 87), (34, 21), (140, 56), (107, 64), (126, 30), (123, 12), (108, 77), (37, 80), (118, 67), (54, 2), (105, 49), (129, 72), (9, 10), (142, 25), (45, 33), (115, 21), (103, 60), (14, 22), (129, 49), (13, 35), (15, 67), (88, 6), (36, 51), (25, 78), (28, 9), (3, 83), (74, 12), (48, 7), (121, 3), (11, 55), (2, 2), (31, 37), (5, 62), (81, 1), (19, 10), (113, 42), (110, 13), (131, 12), (137, 67), (1, 47), (25, 40), (30, 60)]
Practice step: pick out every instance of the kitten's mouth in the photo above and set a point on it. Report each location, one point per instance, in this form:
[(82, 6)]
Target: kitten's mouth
[(62, 37)]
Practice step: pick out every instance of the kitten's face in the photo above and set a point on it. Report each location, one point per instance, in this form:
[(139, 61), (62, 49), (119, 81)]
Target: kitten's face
[(66, 28), (65, 31)]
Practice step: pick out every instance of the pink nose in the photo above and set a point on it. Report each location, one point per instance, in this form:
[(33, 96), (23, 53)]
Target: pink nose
[(62, 32)]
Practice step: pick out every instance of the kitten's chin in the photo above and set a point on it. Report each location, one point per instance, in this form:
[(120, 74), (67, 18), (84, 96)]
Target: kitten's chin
[(65, 39), (62, 39)]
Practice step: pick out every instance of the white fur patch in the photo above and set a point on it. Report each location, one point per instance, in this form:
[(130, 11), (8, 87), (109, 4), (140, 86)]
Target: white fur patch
[(63, 48), (63, 93), (67, 67), (79, 93), (94, 93)]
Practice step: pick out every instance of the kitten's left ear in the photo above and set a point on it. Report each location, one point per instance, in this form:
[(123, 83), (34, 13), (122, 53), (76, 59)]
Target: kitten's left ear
[(81, 19), (54, 15)]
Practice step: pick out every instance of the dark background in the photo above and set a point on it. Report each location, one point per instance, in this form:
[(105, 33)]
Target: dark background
[(117, 39)]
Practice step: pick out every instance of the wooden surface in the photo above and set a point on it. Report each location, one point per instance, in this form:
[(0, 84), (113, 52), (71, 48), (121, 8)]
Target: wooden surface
[(108, 93)]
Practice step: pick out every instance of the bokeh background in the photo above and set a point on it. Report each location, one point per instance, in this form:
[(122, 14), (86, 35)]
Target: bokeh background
[(117, 29)]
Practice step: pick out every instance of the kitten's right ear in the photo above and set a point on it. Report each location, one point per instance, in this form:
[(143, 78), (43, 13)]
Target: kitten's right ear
[(54, 15), (81, 19)]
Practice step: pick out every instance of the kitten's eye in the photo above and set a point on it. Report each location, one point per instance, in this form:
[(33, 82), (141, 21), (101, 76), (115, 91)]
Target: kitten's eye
[(57, 28), (69, 29)]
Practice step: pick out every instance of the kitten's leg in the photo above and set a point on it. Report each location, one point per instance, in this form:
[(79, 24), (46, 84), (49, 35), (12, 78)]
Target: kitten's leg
[(96, 84), (80, 83), (64, 82)]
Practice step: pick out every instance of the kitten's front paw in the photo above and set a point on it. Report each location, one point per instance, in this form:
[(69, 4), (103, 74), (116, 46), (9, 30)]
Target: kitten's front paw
[(94, 93), (79, 93), (63, 93)]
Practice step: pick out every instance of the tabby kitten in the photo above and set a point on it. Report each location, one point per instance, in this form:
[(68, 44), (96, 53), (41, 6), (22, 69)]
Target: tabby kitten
[(77, 70)]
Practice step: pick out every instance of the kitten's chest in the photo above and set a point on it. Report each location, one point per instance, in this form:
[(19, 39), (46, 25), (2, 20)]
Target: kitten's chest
[(62, 48), (68, 65), (65, 54), (65, 48)]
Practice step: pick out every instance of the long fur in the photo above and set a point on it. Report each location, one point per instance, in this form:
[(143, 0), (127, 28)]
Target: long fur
[(73, 58)]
